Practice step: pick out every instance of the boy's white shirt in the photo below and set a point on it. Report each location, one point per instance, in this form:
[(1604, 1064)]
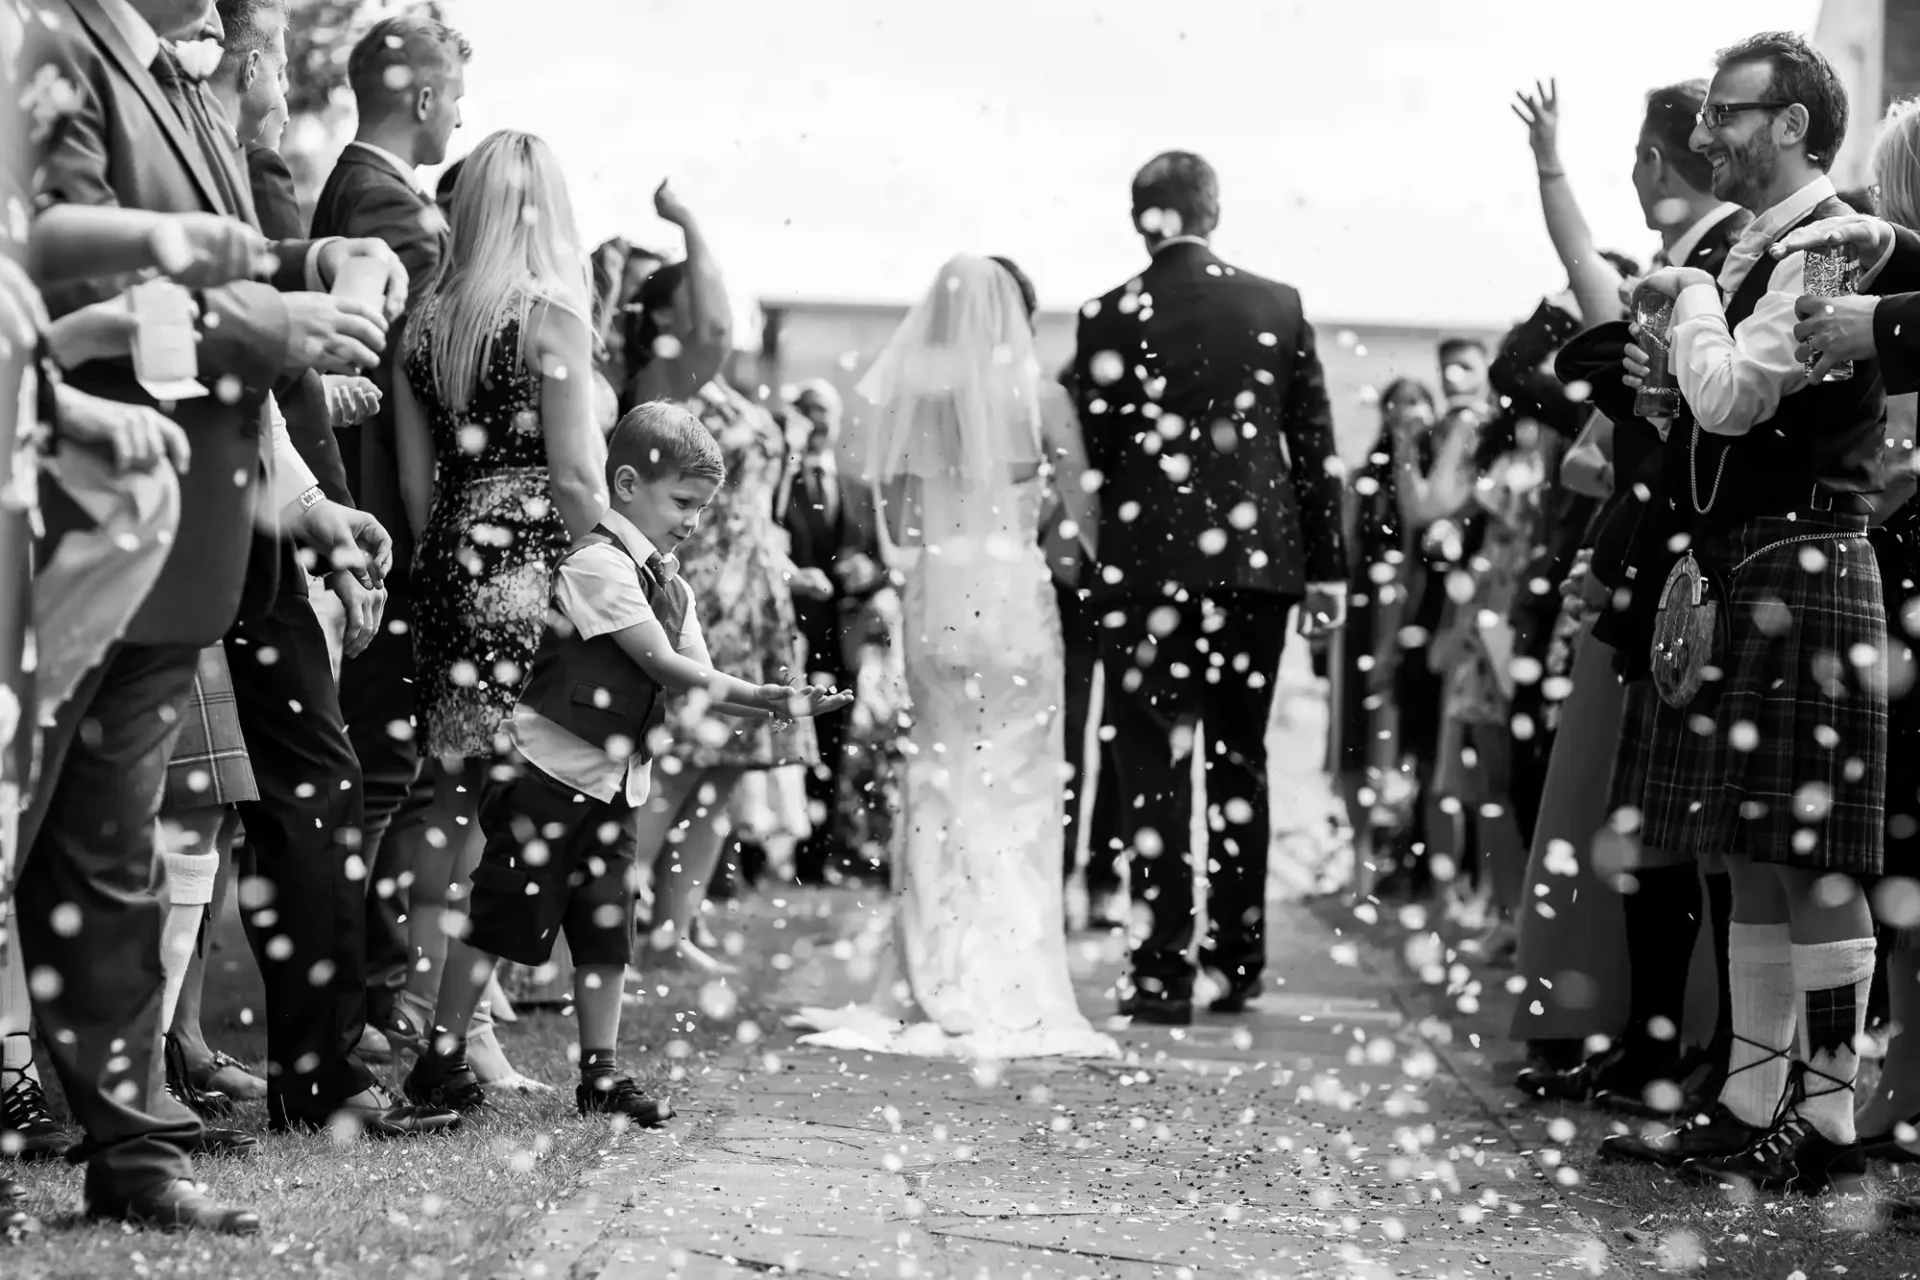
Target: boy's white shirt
[(599, 591)]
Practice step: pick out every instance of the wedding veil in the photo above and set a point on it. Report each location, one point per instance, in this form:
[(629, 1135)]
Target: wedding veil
[(954, 442)]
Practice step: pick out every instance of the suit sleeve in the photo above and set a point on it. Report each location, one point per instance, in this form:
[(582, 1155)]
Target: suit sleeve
[(384, 211), (1896, 342), (1901, 272), (1307, 421), (303, 401)]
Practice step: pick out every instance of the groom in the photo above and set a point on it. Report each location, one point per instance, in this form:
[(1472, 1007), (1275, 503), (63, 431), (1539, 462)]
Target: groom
[(1201, 397)]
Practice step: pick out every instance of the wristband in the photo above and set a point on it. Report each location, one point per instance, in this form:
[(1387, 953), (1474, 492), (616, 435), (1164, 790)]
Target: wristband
[(312, 498), (1548, 175)]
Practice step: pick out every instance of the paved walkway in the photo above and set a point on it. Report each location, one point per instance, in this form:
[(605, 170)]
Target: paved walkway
[(1331, 1132)]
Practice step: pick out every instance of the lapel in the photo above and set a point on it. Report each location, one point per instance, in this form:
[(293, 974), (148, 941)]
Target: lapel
[(107, 37), (232, 155)]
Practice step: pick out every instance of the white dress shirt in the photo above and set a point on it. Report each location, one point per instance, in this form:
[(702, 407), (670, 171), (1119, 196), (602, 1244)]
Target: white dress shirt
[(1735, 380), (599, 592)]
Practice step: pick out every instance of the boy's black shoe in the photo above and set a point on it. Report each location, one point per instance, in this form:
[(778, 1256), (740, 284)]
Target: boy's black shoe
[(28, 1130), (448, 1083), (1792, 1156), (1709, 1135), (608, 1096), (1238, 995)]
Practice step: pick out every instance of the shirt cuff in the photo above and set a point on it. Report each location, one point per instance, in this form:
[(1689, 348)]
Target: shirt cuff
[(289, 476), (1328, 588), (1698, 301), (314, 283)]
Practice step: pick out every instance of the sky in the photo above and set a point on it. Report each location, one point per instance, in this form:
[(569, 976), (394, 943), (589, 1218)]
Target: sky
[(844, 149)]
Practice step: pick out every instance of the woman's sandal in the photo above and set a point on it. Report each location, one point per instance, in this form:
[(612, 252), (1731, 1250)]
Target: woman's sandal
[(227, 1075)]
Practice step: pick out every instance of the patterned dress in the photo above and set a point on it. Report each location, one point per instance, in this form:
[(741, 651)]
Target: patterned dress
[(482, 570), (733, 562)]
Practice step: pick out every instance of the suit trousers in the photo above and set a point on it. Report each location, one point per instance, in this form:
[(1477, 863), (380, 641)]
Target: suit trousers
[(1080, 629), (1208, 659), (825, 654), (307, 916), (89, 915), (377, 699)]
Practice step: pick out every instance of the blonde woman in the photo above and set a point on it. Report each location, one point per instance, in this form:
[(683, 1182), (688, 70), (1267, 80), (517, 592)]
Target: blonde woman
[(501, 467)]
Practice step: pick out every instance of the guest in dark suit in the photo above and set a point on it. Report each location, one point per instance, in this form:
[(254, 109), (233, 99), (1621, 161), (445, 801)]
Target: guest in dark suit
[(408, 75), (1204, 408), (835, 548), (140, 136)]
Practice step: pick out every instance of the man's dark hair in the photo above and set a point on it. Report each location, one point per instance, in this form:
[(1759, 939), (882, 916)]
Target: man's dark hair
[(396, 52), (1621, 262), (1028, 298), (1672, 113), (244, 31), (1180, 183), (1802, 74), (656, 294), (1454, 346)]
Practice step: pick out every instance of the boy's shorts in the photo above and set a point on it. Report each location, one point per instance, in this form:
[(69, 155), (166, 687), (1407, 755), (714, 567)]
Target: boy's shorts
[(554, 859)]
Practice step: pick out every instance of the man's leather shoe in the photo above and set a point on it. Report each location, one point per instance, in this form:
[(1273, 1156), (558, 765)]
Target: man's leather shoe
[(225, 1142), (1618, 1078), (381, 1115), (607, 1096), (178, 1205), (444, 1084), (1709, 1135), (1792, 1156), (28, 1130), (1162, 1010), (1237, 996)]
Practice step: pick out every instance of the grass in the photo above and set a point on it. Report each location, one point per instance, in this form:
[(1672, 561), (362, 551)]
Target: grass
[(444, 1207), (1653, 1222)]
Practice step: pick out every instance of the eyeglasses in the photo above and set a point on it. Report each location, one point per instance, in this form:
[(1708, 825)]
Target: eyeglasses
[(1715, 114)]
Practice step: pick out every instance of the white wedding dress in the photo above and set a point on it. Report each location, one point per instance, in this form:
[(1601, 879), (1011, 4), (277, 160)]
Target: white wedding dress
[(974, 964)]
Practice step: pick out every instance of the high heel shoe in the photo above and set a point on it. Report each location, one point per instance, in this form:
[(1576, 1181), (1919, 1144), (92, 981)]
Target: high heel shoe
[(663, 952), (223, 1074), (208, 1104), (489, 1061)]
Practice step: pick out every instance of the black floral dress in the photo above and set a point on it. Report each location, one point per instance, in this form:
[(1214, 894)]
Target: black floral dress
[(483, 568)]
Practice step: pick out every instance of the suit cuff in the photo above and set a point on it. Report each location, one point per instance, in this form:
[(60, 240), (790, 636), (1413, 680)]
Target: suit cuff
[(314, 283)]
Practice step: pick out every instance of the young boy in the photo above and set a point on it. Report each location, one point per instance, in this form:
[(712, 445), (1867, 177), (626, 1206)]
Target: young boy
[(622, 639)]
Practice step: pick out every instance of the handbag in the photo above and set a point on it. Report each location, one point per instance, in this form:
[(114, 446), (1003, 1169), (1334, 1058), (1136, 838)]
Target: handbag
[(1689, 632)]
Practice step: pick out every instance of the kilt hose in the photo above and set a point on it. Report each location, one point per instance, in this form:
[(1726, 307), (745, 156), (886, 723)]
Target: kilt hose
[(1782, 758)]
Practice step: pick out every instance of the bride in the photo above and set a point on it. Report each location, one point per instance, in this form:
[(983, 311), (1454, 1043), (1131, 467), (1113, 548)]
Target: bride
[(976, 962)]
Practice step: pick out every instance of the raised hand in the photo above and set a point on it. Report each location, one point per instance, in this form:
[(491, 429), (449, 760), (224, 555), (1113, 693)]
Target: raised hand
[(98, 331), (202, 250), (137, 437), (332, 335), (1540, 112), (667, 203), (1870, 237)]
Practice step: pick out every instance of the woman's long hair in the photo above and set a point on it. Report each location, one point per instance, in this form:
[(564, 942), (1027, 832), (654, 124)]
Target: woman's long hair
[(514, 245), (1376, 484), (1896, 165)]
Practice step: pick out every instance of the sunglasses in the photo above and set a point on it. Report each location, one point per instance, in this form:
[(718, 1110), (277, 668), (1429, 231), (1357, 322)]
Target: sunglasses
[(1715, 114)]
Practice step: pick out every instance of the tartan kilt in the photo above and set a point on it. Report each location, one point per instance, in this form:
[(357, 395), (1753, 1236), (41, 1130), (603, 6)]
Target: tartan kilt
[(1782, 759), (209, 766)]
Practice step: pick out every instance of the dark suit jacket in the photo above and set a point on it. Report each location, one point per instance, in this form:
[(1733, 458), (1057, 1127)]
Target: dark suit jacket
[(1203, 405), (126, 144), (818, 543), (303, 398), (1896, 319), (364, 196)]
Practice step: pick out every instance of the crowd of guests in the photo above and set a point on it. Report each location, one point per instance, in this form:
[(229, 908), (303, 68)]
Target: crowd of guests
[(451, 591), (1629, 679)]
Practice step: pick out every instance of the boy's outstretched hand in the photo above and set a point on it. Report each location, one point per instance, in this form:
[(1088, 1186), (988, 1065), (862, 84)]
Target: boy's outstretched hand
[(791, 702)]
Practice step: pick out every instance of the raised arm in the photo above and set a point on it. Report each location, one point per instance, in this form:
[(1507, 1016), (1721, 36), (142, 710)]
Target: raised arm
[(1596, 285), (1445, 490), (560, 350), (709, 314)]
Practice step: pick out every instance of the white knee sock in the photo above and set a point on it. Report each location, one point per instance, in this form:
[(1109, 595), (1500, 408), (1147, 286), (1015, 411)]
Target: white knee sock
[(16, 1009), (189, 886), (1760, 978), (1830, 981)]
